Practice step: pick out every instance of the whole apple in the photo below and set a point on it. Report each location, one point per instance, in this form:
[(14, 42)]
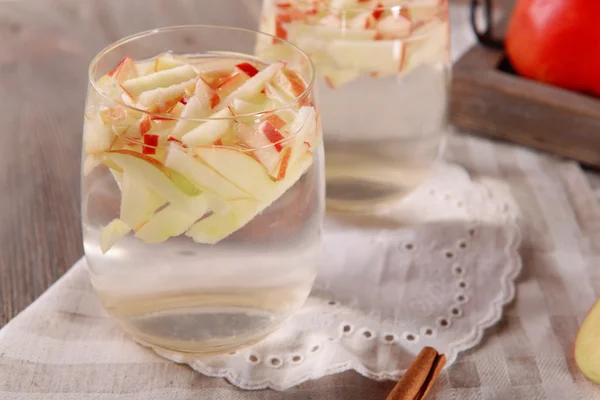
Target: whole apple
[(557, 42)]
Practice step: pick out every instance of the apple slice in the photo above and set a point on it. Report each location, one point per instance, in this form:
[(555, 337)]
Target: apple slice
[(164, 98), (262, 148), (138, 202), (424, 10), (201, 175), (339, 77), (160, 79), (368, 56), (247, 68), (587, 351), (432, 50), (145, 67), (252, 87), (167, 183), (216, 227), (90, 163), (198, 106), (125, 70), (394, 27), (364, 20), (331, 20), (112, 233), (240, 106), (275, 94), (167, 61), (303, 129), (231, 83), (289, 82), (208, 132), (172, 221), (239, 168), (97, 136)]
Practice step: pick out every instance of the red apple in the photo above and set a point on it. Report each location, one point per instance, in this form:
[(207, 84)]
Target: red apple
[(247, 68), (124, 70), (272, 134), (556, 42), (150, 143)]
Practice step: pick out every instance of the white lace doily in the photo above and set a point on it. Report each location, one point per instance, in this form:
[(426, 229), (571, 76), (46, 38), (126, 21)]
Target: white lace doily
[(434, 271)]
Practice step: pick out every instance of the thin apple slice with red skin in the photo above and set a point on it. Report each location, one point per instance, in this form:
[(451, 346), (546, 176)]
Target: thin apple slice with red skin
[(247, 68), (215, 228), (262, 149), (275, 94), (240, 107), (162, 99), (207, 132), (276, 121), (240, 168), (231, 84), (252, 87), (112, 233), (284, 163), (378, 11), (160, 79), (272, 133), (125, 70), (202, 175), (394, 27), (169, 184), (289, 82), (386, 55), (150, 143), (198, 107)]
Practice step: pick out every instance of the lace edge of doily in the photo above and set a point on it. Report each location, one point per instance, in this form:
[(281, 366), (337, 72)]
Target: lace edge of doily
[(507, 295)]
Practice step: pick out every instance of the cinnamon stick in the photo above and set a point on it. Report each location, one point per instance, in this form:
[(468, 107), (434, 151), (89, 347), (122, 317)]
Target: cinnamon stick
[(420, 376)]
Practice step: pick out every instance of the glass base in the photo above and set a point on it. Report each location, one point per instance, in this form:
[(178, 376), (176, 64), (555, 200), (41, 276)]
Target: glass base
[(201, 331)]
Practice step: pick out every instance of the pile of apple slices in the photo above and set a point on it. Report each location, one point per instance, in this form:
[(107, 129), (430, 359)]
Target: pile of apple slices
[(347, 38), (197, 145)]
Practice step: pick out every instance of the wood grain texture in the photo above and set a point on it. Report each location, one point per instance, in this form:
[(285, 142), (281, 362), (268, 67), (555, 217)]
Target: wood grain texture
[(502, 105)]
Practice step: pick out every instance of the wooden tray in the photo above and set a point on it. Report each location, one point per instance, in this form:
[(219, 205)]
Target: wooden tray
[(488, 98)]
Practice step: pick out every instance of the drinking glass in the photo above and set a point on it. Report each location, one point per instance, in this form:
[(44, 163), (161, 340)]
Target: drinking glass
[(383, 71), (202, 186)]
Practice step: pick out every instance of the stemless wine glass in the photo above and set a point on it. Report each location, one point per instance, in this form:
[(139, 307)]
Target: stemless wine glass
[(202, 186), (384, 71)]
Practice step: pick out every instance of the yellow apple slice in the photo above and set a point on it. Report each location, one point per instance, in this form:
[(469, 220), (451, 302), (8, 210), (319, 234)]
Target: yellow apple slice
[(169, 184), (239, 168), (138, 202), (216, 227), (208, 132), (172, 221), (303, 130), (112, 233), (160, 79), (198, 106), (145, 67), (587, 350), (202, 175), (429, 50), (252, 87), (240, 106), (368, 56)]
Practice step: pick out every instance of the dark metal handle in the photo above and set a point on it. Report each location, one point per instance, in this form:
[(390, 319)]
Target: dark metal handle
[(485, 36)]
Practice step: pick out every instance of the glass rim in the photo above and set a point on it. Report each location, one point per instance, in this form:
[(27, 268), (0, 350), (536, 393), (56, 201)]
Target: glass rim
[(396, 3), (139, 35)]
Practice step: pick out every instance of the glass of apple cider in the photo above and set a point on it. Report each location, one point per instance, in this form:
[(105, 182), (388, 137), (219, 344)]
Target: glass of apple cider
[(383, 69), (202, 185)]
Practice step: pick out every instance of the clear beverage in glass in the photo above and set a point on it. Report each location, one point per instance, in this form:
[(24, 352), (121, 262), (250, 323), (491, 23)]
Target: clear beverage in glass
[(383, 69), (202, 186)]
